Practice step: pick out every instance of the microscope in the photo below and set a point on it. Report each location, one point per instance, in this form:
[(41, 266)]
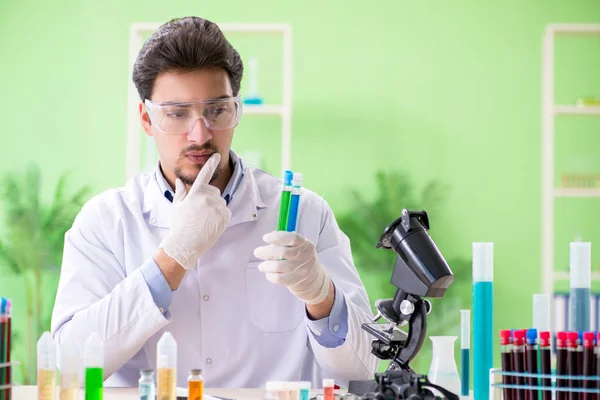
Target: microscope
[(420, 271)]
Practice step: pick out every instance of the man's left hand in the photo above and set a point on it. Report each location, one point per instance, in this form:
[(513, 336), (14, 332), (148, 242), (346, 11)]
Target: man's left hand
[(291, 260)]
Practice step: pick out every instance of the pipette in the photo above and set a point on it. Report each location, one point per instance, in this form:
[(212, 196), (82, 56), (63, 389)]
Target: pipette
[(167, 367), (46, 367), (69, 372), (94, 365)]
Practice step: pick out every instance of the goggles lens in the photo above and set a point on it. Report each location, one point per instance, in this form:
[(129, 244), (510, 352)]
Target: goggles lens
[(179, 118)]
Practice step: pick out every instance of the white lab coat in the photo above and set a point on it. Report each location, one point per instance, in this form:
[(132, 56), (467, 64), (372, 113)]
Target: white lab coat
[(227, 319)]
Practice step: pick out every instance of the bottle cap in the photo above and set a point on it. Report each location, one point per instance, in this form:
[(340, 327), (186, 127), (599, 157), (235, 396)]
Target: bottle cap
[(287, 177), (328, 382), (305, 385), (532, 335)]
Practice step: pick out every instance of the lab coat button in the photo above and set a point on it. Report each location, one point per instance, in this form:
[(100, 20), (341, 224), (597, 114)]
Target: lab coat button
[(317, 332), (153, 220), (209, 361), (336, 328), (255, 215), (162, 310), (205, 297)]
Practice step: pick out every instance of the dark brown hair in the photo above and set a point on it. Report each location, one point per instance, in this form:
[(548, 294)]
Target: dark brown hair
[(185, 44)]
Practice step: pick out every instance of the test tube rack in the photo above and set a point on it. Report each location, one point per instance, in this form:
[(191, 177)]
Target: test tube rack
[(7, 387), (569, 384)]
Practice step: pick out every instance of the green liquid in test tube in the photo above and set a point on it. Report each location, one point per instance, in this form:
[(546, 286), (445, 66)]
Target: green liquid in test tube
[(284, 207), (94, 364)]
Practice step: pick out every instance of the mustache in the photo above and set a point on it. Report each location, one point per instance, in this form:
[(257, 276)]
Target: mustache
[(195, 147)]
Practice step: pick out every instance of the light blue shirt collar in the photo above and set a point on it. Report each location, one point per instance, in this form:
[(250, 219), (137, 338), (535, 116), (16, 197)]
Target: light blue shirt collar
[(232, 185)]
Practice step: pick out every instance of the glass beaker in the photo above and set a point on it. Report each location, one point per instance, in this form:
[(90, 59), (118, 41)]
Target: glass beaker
[(443, 370)]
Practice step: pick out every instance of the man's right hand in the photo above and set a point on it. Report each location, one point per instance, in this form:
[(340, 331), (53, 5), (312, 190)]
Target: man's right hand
[(199, 219)]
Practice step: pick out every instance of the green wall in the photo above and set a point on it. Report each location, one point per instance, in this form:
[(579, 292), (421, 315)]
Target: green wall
[(438, 90)]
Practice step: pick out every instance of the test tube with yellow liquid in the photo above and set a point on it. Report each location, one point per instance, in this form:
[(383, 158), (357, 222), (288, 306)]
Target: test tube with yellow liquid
[(46, 367), (166, 364), (69, 372)]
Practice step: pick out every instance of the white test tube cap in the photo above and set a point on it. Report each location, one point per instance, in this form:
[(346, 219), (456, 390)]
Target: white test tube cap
[(328, 383), (541, 312), (483, 262), (273, 386), (166, 351), (94, 352), (297, 179), (305, 385), (46, 352), (580, 264), (465, 329)]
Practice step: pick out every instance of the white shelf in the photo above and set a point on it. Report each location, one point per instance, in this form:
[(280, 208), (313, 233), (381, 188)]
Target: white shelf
[(576, 192), (264, 109), (574, 110), (565, 276)]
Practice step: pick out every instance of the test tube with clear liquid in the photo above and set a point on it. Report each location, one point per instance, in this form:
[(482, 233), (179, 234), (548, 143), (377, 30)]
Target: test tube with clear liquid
[(166, 381), (69, 372), (581, 280)]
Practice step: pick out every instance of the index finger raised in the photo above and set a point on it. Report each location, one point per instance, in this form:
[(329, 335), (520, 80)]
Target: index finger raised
[(207, 171)]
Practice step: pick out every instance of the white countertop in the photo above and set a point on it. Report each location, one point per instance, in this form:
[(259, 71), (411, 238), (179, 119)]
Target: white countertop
[(30, 393)]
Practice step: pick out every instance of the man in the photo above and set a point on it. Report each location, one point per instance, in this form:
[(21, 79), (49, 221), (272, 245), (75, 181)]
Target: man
[(191, 248)]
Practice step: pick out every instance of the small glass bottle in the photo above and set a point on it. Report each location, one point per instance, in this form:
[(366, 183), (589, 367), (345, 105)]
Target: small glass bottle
[(146, 385), (195, 385)]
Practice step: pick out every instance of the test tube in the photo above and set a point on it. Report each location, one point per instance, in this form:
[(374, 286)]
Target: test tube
[(305, 390), (46, 367), (284, 205), (465, 345), (167, 367), (562, 366), (146, 385), (69, 372), (272, 390), (295, 390), (195, 385), (506, 354), (541, 312), (94, 365), (531, 349), (573, 364), (294, 202), (580, 267), (546, 363), (328, 385), (588, 365), (483, 318)]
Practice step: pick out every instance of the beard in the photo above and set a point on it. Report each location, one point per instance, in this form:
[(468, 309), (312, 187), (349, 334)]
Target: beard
[(189, 173)]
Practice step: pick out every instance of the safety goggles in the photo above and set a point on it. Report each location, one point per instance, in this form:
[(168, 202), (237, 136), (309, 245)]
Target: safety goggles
[(179, 118)]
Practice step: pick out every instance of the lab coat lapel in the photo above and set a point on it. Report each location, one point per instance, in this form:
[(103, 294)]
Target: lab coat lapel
[(244, 205), (246, 200)]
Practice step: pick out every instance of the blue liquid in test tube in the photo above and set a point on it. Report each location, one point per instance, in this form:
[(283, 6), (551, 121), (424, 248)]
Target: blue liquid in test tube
[(581, 275), (483, 318), (465, 346)]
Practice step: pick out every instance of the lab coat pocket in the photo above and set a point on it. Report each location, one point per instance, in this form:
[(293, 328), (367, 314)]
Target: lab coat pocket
[(271, 307)]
